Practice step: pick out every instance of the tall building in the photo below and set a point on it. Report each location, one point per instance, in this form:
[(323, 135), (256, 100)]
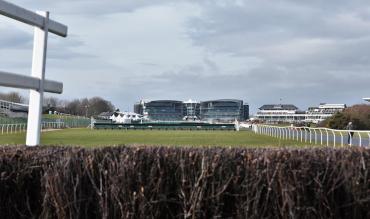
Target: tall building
[(139, 107), (164, 110), (192, 110), (246, 112), (223, 110)]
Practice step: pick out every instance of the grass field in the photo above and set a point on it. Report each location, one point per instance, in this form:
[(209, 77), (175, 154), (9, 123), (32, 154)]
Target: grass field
[(87, 137)]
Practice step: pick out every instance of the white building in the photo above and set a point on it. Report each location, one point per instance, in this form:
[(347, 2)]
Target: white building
[(367, 99), (288, 113), (323, 111), (276, 113)]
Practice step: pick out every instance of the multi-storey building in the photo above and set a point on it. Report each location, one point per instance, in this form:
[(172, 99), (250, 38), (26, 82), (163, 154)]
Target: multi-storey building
[(322, 112), (275, 113), (10, 109), (288, 113), (223, 110)]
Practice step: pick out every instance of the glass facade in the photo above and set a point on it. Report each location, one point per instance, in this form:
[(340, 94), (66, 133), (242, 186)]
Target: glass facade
[(192, 110), (139, 108), (222, 110), (246, 111), (164, 110)]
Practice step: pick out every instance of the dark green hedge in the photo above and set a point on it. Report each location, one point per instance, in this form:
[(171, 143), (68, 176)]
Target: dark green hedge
[(162, 182)]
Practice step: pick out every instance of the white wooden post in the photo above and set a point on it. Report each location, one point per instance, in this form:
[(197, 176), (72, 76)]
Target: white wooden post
[(38, 71), (36, 83)]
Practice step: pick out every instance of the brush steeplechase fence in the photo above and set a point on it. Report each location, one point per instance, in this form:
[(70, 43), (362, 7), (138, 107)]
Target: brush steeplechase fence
[(317, 136), (184, 182)]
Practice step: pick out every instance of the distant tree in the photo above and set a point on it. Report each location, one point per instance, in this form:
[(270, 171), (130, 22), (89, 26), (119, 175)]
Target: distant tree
[(359, 115), (337, 121), (86, 107), (52, 102), (12, 97), (98, 105), (73, 107)]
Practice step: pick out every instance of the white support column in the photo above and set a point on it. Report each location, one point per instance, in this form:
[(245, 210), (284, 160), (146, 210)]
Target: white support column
[(38, 71)]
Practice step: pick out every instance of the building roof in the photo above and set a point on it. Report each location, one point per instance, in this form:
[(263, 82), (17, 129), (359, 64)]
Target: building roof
[(125, 113), (106, 114), (223, 100), (278, 107), (191, 101), (332, 106), (164, 101)]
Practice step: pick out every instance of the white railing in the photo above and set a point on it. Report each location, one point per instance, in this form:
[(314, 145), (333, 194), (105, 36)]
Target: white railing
[(317, 136), (22, 127)]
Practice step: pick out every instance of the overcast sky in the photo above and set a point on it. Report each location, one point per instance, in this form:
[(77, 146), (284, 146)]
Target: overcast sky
[(305, 52)]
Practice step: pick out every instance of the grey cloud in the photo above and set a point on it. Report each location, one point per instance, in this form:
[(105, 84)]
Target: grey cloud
[(91, 8), (14, 38), (66, 48), (257, 87), (307, 52)]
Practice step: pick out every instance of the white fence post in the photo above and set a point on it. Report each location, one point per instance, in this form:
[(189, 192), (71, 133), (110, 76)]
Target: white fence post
[(315, 136), (333, 137), (36, 83), (359, 135), (341, 138)]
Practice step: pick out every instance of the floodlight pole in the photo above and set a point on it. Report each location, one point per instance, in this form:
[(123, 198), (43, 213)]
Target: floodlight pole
[(38, 71)]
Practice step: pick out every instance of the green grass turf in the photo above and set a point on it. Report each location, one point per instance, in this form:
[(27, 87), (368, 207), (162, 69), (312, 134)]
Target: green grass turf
[(88, 137)]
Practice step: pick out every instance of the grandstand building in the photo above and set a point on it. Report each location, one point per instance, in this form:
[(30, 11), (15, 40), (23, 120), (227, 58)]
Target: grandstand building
[(322, 112), (276, 113), (288, 113), (13, 110), (223, 110), (192, 110), (161, 110), (18, 110)]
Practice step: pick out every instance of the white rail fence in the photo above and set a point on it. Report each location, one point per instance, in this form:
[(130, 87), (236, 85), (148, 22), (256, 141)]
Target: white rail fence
[(22, 127), (317, 136)]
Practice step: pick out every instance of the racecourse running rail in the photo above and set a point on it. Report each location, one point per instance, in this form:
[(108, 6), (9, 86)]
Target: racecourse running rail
[(322, 136)]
